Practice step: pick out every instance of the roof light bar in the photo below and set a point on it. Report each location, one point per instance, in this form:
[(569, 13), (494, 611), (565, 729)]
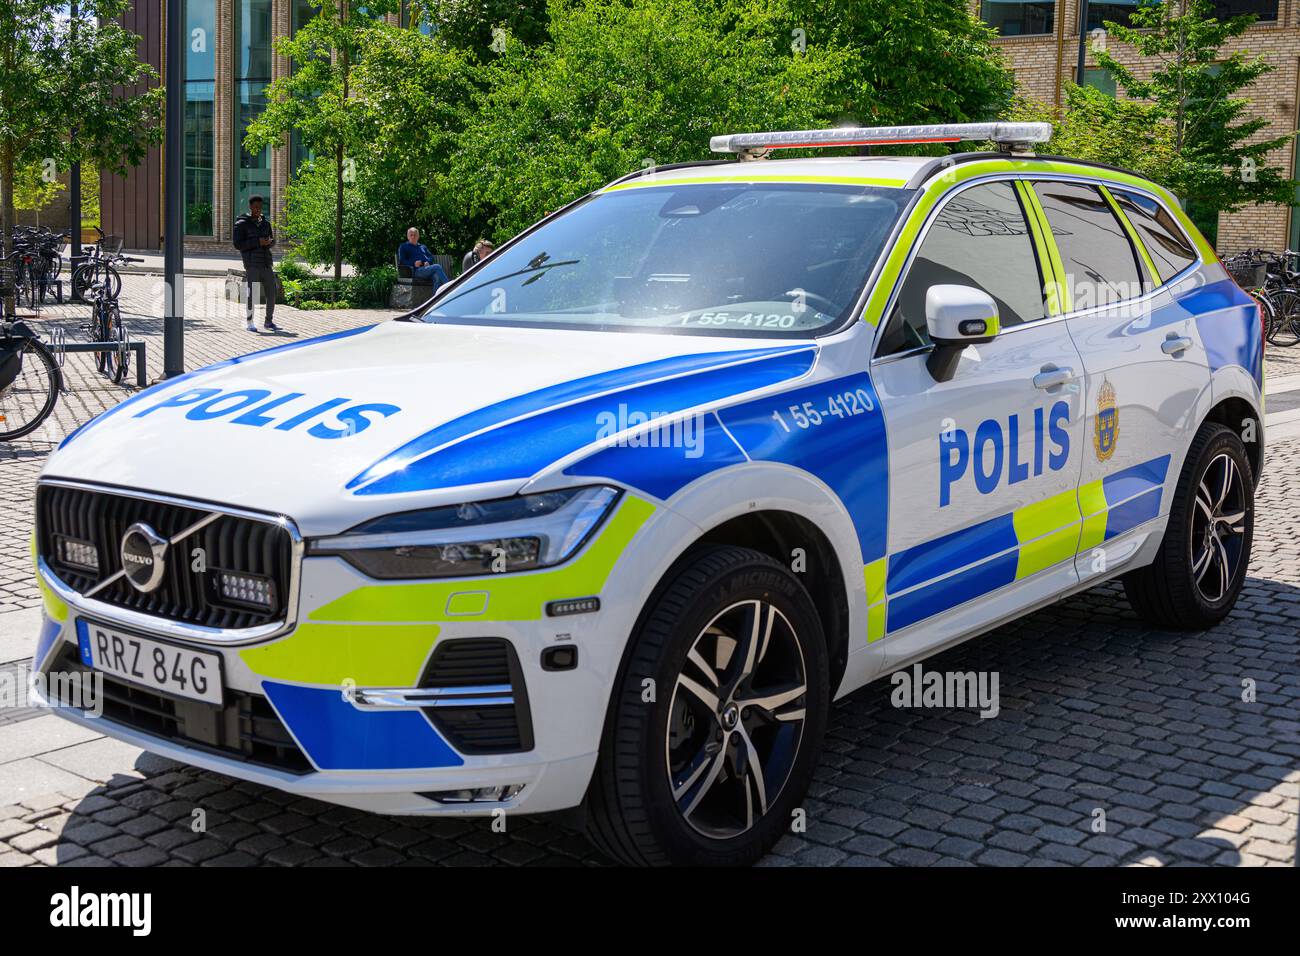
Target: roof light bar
[(754, 145)]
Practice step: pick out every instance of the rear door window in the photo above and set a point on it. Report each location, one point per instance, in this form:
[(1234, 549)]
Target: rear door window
[(1166, 243), (1101, 265)]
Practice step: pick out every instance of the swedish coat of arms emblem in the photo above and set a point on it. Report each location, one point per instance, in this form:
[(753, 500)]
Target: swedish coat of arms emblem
[(1105, 434)]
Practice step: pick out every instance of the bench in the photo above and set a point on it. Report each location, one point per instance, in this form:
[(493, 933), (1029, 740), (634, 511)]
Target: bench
[(410, 292)]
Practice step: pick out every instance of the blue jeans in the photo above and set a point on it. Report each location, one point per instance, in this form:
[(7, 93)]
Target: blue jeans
[(434, 272)]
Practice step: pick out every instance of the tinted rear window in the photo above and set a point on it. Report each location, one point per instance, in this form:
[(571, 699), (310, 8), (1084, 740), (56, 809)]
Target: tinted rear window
[(1165, 242), (1100, 263)]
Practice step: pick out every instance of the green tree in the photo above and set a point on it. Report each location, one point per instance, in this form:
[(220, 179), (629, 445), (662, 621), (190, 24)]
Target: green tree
[(469, 24), (620, 85), (1216, 160), (1095, 126), (316, 99), (58, 74), (911, 61)]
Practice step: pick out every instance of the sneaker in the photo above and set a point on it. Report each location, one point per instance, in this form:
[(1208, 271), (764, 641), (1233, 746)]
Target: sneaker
[(250, 326), (271, 326)]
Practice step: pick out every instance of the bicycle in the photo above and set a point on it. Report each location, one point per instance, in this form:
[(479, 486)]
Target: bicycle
[(1270, 280), (30, 381), (41, 262), (106, 326), (98, 267)]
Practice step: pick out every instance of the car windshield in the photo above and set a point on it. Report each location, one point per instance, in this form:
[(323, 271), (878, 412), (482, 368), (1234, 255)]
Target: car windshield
[(733, 258)]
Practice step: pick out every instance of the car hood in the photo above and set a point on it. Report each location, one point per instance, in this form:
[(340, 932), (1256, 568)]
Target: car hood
[(333, 430)]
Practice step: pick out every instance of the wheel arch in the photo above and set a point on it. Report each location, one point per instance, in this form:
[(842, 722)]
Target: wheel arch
[(1235, 410)]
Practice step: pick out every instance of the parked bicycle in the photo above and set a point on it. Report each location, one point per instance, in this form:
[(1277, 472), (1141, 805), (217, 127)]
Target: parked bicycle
[(1273, 279), (30, 380), (98, 266), (38, 263), (105, 326)]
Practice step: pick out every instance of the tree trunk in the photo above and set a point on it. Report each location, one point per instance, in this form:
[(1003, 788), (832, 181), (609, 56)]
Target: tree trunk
[(7, 219), (338, 213)]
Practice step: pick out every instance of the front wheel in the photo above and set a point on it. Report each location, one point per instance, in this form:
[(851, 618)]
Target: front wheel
[(1199, 570), (717, 721)]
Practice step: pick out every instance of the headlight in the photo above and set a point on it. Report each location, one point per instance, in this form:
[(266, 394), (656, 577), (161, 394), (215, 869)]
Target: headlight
[(474, 539)]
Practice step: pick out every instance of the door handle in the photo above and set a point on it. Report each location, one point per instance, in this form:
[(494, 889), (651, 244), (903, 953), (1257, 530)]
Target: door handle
[(1175, 345), (1053, 377)]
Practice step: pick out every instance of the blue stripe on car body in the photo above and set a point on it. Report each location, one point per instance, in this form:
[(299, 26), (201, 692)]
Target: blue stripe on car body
[(860, 479), (338, 736), (522, 447), (950, 552), (1125, 484), (662, 471), (921, 603), (564, 393)]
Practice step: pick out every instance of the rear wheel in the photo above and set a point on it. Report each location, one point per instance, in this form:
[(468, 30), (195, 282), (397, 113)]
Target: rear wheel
[(29, 397), (717, 722), (1198, 572)]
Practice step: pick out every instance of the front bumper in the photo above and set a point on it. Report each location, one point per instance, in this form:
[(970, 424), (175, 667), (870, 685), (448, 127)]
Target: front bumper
[(341, 682)]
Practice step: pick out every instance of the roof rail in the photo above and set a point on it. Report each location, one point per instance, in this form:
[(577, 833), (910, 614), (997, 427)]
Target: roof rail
[(1017, 137)]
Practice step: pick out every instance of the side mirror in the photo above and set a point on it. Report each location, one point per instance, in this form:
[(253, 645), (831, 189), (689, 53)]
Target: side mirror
[(957, 316)]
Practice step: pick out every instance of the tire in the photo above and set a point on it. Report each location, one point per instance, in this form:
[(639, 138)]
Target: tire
[(633, 815), (120, 360), (30, 399), (1286, 305), (82, 277), (1197, 575)]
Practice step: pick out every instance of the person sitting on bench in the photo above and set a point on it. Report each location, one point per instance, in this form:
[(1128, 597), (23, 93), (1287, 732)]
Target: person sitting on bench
[(414, 255)]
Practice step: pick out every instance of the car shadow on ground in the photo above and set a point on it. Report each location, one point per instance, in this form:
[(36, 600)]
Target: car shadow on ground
[(1114, 744)]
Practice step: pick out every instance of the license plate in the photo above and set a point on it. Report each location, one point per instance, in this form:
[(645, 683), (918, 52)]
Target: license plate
[(180, 671)]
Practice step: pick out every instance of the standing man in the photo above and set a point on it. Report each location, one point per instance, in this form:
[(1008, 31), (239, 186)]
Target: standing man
[(415, 255), (254, 239), (482, 249)]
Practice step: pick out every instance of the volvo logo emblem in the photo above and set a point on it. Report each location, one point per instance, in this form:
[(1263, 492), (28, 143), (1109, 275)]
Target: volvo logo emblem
[(143, 557)]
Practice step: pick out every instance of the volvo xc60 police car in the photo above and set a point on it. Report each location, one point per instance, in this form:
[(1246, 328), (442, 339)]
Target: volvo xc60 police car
[(612, 520)]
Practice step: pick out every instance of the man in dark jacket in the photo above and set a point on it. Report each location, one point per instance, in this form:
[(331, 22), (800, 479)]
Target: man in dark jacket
[(415, 255), (254, 239)]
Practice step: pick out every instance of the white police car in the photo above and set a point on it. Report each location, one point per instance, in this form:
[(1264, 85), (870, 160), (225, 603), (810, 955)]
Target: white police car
[(612, 521)]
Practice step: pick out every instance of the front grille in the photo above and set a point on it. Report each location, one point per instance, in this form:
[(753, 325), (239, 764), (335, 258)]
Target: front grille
[(482, 729), (245, 728), (231, 544)]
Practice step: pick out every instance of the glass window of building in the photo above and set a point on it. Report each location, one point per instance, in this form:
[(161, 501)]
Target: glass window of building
[(1266, 10), (1017, 18), (1116, 11), (200, 111), (1101, 80), (299, 13), (253, 55)]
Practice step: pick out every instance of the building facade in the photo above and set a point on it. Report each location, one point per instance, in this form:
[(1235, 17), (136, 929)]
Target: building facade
[(230, 61), (1039, 42)]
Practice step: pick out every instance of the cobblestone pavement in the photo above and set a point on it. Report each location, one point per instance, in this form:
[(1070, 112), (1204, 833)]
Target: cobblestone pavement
[(1102, 721)]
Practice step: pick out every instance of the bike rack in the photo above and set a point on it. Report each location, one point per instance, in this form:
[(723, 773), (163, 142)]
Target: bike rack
[(141, 373)]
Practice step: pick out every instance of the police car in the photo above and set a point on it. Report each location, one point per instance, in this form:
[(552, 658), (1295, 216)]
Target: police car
[(611, 521)]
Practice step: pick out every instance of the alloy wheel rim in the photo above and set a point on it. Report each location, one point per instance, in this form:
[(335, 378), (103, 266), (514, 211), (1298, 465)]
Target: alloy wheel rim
[(736, 719), (1218, 528)]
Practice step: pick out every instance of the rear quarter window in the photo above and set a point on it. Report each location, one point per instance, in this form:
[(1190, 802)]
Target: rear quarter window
[(1166, 243)]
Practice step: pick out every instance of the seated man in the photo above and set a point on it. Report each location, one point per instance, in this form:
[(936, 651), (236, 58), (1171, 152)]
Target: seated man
[(416, 256)]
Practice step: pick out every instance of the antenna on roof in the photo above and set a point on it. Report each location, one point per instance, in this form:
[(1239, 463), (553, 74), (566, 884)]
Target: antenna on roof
[(1016, 138)]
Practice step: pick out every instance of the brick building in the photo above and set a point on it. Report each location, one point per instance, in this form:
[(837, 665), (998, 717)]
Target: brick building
[(1039, 41), (229, 64)]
